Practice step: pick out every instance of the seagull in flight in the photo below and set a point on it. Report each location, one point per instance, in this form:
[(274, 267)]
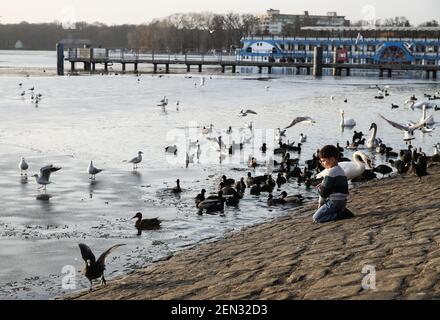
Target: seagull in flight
[(409, 128), (299, 120), (245, 113), (44, 176)]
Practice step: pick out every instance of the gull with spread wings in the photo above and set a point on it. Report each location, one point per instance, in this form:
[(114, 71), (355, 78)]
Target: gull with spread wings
[(43, 178), (300, 120), (95, 268), (407, 129), (245, 113)]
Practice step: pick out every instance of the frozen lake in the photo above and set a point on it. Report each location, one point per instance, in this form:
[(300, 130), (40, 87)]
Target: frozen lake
[(109, 119)]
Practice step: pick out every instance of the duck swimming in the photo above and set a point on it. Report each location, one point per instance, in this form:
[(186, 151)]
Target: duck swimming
[(297, 199), (146, 224), (94, 269)]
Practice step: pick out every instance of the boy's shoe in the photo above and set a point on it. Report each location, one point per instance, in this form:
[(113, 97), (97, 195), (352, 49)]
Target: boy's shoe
[(345, 214)]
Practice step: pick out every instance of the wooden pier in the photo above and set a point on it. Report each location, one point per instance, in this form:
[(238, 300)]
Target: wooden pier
[(91, 57)]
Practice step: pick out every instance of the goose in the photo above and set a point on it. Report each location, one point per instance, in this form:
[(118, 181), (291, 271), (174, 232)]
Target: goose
[(253, 163), (23, 166), (215, 205), (394, 106), (400, 166), (171, 149), (176, 189), (353, 169), (249, 180), (200, 197), (94, 269), (45, 172), (269, 185), (255, 189), (241, 186), (271, 201), (146, 224), (420, 166), (93, 171), (383, 169), (347, 122), (227, 182), (264, 148), (281, 180), (408, 129), (300, 120), (297, 199), (373, 142), (136, 160)]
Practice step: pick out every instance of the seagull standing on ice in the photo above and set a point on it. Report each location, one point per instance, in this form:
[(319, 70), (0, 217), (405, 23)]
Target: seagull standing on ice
[(93, 171), (136, 160), (23, 166), (45, 172)]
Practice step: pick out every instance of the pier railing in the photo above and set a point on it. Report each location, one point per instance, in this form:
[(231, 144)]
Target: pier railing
[(139, 55)]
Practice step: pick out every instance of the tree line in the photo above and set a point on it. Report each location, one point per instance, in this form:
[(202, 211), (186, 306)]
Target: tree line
[(201, 32)]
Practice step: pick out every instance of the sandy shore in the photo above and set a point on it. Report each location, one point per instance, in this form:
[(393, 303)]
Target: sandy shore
[(396, 230)]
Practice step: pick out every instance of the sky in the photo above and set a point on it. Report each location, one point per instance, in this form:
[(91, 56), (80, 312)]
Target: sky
[(141, 11)]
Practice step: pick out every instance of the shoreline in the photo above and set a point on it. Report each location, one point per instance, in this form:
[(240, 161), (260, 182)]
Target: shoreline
[(397, 233)]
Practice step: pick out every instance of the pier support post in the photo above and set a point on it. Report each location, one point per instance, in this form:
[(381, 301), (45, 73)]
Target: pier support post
[(390, 73), (200, 68), (223, 68), (381, 73), (348, 72), (155, 68), (309, 71), (298, 71), (317, 62), (234, 68), (188, 68), (434, 75), (93, 66), (87, 66), (123, 68), (260, 69), (135, 67), (167, 68), (106, 66), (60, 59), (269, 70), (72, 66)]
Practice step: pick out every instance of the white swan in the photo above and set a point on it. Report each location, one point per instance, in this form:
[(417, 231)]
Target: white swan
[(419, 105), (373, 142), (429, 121), (346, 122), (353, 169)]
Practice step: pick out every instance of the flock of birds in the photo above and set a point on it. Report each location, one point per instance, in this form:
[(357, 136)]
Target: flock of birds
[(230, 191)]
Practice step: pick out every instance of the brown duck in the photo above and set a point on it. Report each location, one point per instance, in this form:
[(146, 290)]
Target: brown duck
[(146, 224), (94, 269)]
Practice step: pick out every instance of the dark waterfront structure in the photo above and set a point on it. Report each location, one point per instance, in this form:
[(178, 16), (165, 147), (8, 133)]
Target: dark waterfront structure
[(341, 49)]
